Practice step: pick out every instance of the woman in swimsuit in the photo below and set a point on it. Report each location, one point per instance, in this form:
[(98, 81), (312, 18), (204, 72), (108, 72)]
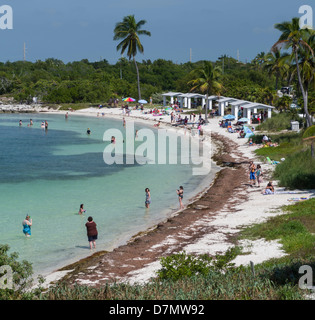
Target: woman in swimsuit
[(147, 197), (81, 210), (27, 223), (180, 193)]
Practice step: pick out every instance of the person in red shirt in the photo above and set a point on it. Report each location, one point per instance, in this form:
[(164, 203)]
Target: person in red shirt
[(91, 232)]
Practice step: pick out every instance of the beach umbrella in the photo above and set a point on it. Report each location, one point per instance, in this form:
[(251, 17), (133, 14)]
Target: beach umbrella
[(243, 120), (229, 117), (248, 132), (129, 99), (143, 101)]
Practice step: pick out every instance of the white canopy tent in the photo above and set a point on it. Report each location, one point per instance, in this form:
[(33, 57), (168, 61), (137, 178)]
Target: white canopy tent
[(248, 107), (236, 105), (170, 94), (253, 107), (224, 102), (184, 98)]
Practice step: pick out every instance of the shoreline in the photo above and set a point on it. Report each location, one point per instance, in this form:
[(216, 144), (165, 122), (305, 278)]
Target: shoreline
[(208, 224)]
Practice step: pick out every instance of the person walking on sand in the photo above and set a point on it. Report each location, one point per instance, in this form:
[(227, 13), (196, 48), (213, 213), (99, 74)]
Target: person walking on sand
[(252, 176), (259, 175), (91, 232), (147, 197), (27, 223), (180, 193)]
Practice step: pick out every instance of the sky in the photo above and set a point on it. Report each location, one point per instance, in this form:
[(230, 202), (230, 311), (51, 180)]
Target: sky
[(72, 30)]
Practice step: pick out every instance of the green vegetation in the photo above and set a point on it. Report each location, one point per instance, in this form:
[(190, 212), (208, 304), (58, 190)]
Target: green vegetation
[(234, 284), (22, 272), (279, 122), (302, 44), (295, 229), (206, 80), (297, 171)]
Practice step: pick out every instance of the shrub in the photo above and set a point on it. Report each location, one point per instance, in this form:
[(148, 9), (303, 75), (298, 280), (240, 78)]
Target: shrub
[(280, 121), (297, 171), (22, 272), (181, 265), (309, 132)]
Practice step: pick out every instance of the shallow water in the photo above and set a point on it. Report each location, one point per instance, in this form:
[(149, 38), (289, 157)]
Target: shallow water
[(48, 174)]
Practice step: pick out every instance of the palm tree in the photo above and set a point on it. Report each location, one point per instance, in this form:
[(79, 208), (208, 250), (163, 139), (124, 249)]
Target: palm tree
[(259, 60), (128, 31), (207, 81), (293, 37), (275, 63)]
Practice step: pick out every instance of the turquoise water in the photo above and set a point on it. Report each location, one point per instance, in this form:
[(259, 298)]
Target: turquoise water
[(48, 174)]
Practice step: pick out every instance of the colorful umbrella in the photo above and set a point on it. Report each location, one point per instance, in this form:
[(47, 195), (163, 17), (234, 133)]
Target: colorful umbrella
[(129, 99)]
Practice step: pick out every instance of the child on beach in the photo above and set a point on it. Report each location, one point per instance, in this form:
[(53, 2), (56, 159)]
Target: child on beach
[(147, 197), (252, 176), (180, 193), (91, 232), (259, 175)]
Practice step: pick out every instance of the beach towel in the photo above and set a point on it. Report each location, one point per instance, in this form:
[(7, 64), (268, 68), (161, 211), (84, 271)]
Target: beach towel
[(297, 199), (272, 162)]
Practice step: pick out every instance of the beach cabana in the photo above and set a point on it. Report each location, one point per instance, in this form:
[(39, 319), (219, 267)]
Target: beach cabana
[(210, 99), (185, 99), (252, 108), (224, 102), (172, 95), (236, 106)]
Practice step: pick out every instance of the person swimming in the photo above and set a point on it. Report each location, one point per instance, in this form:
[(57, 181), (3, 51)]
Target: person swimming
[(88, 131), (81, 210)]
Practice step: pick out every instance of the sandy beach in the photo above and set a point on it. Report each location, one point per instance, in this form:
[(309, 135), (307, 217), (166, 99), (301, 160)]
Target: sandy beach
[(209, 224)]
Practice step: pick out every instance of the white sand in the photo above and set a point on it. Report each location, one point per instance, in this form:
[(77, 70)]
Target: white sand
[(258, 208)]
